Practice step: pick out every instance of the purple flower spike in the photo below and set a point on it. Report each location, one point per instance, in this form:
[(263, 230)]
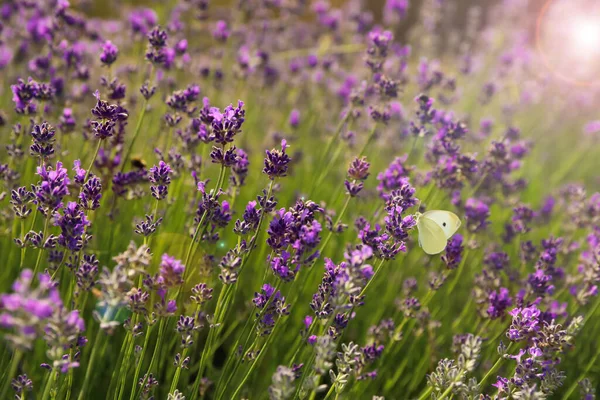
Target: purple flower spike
[(358, 171), (477, 214), (27, 310), (72, 225), (294, 118), (109, 53), (53, 186), (499, 301), (43, 141), (171, 270), (160, 176), (454, 249), (221, 31), (277, 161), (525, 321)]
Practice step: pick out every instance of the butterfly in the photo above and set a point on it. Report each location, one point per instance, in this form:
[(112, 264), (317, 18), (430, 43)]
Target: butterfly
[(435, 228), (109, 316)]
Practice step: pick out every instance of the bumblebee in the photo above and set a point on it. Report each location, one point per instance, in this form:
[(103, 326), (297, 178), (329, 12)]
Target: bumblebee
[(138, 162)]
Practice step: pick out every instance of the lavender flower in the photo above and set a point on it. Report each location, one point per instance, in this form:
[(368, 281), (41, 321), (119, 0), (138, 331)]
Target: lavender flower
[(171, 271), (72, 225), (87, 273), (521, 219), (499, 301), (201, 293), (294, 119), (394, 177), (227, 124), (240, 168), (277, 162), (186, 327), (43, 141), (525, 322), (63, 331), (160, 176), (52, 188), (109, 115), (21, 384), (453, 255), (397, 7), (357, 171), (477, 214), (127, 184), (23, 94), (379, 44), (91, 193), (221, 32), (109, 53), (157, 37), (282, 387), (27, 310), (21, 200), (272, 305)]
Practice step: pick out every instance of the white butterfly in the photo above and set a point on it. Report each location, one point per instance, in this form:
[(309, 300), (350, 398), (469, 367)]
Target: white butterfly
[(435, 228)]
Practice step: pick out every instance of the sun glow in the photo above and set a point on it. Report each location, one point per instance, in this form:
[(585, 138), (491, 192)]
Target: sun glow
[(586, 36), (568, 39)]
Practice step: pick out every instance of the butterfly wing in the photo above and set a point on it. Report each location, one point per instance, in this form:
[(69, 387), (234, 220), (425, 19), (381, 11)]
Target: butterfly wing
[(431, 236), (447, 221)]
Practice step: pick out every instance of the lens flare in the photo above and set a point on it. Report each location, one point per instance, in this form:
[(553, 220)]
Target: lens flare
[(568, 40), (586, 36)]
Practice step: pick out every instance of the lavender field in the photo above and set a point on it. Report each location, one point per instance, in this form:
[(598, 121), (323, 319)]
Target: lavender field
[(210, 200)]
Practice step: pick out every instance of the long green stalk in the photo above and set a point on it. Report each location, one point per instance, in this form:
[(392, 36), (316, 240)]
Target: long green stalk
[(138, 367)]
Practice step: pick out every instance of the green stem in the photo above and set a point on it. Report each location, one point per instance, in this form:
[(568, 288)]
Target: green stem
[(230, 359), (446, 392), (412, 149), (426, 393), (332, 140), (41, 249), (368, 142), (592, 361), (223, 310), (24, 248), (493, 369), (168, 141), (245, 346), (138, 127), (461, 266), (89, 170), (255, 237), (178, 371), (128, 353), (191, 246), (305, 374), (463, 314), (14, 365), (62, 261), (90, 367), (50, 384), (138, 367), (329, 392), (207, 350), (338, 220), (255, 362), (117, 368), (309, 273), (335, 137), (157, 348)]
